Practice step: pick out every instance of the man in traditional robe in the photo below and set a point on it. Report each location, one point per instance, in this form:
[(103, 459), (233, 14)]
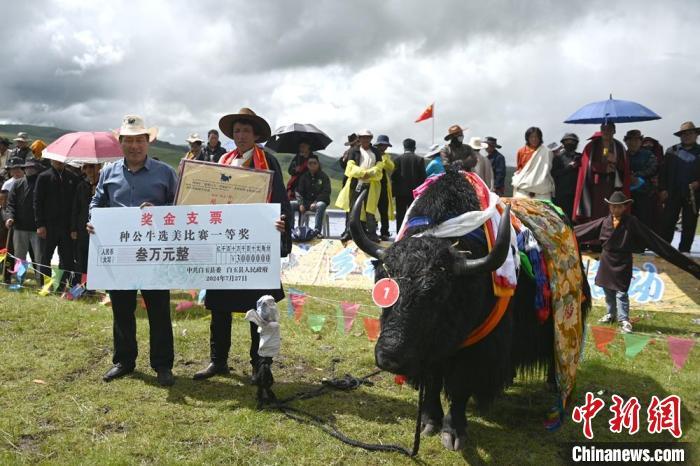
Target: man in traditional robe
[(604, 169), (620, 235), (532, 178), (456, 152)]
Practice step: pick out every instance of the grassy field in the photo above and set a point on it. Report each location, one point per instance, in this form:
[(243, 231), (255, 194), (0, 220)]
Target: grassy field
[(56, 409)]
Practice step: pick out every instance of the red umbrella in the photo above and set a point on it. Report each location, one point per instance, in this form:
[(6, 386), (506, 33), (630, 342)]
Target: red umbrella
[(85, 147)]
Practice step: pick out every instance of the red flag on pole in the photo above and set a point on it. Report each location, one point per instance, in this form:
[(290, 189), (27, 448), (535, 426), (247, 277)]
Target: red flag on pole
[(427, 113)]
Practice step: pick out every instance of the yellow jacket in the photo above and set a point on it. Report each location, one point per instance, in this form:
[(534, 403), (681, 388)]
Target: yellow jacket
[(383, 168)]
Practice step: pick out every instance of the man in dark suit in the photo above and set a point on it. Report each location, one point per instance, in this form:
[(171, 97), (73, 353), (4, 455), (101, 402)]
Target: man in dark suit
[(408, 175)]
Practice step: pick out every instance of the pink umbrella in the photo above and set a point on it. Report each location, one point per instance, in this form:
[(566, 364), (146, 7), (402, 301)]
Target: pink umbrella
[(85, 147)]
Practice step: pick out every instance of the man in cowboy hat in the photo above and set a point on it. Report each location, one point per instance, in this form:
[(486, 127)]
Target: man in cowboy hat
[(620, 233), (456, 151), (22, 148), (409, 173), (643, 169), (195, 152), (483, 166), (213, 150), (138, 180), (679, 185), (364, 170), (498, 165), (385, 205), (565, 172), (247, 130), (19, 214)]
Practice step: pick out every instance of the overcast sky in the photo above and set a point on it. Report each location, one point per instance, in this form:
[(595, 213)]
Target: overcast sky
[(497, 67)]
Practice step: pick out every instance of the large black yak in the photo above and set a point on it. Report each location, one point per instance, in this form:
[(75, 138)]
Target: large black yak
[(446, 292)]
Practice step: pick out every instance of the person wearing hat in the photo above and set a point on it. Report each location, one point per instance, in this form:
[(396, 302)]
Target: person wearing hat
[(643, 170), (14, 168), (456, 151), (565, 172), (532, 178), (604, 169), (297, 167), (352, 142), (138, 180), (22, 149), (483, 166), (386, 196), (195, 152), (20, 216), (434, 164), (620, 233), (364, 170), (498, 165), (679, 186), (213, 150), (409, 173), (247, 130)]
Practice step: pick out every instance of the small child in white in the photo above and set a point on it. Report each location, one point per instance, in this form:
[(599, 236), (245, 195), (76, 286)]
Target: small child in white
[(266, 317)]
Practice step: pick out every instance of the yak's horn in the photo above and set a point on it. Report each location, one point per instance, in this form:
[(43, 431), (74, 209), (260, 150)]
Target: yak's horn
[(493, 259), (358, 233)]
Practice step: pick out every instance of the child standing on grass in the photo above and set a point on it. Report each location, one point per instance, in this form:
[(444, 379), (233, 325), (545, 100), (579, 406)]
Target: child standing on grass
[(620, 234)]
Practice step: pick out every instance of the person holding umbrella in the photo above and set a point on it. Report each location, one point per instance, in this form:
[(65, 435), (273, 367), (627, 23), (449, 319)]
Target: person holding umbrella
[(604, 169), (297, 167), (679, 185)]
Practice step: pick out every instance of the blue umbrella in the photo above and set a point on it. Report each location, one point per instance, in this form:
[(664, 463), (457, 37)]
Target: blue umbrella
[(613, 111)]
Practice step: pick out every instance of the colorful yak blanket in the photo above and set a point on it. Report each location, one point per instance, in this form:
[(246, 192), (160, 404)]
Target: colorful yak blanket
[(559, 249)]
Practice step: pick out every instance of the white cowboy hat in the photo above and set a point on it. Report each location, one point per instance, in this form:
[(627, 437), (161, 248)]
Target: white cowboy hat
[(476, 143), (433, 150), (24, 137), (365, 132), (133, 125), (194, 137)]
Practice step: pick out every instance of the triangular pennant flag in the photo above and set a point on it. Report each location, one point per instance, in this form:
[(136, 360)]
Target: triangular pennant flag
[(339, 320), (18, 264), (290, 307), (3, 255), (372, 328), (298, 301), (634, 344), (20, 270), (316, 321), (193, 293), (184, 305), (46, 289), (602, 336), (679, 348), (202, 295), (77, 291), (349, 313), (56, 275)]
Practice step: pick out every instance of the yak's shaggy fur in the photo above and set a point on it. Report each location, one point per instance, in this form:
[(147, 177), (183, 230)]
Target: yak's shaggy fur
[(437, 309)]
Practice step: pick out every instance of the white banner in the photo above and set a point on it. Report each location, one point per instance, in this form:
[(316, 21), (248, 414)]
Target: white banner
[(234, 246)]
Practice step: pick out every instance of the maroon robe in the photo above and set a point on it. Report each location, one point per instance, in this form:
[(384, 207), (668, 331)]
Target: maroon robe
[(594, 184), (615, 268)]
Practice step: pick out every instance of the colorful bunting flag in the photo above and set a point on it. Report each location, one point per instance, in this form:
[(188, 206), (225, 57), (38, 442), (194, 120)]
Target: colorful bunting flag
[(46, 289), (18, 264), (349, 314), (202, 295), (56, 275), (3, 255), (184, 305), (602, 337), (298, 301), (316, 321), (193, 293), (77, 291), (339, 320), (634, 343), (372, 328), (679, 348)]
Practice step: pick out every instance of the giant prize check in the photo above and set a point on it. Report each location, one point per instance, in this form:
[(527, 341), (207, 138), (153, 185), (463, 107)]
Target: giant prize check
[(185, 247)]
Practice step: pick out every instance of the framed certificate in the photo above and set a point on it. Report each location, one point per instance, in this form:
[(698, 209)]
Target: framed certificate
[(207, 183)]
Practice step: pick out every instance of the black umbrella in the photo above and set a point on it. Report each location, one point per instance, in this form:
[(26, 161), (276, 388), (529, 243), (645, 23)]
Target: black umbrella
[(286, 139)]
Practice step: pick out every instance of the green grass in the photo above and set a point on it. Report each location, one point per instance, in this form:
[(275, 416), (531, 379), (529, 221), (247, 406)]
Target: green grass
[(76, 418)]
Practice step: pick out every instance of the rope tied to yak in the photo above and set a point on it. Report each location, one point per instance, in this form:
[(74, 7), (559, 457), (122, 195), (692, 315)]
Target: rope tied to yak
[(346, 383)]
